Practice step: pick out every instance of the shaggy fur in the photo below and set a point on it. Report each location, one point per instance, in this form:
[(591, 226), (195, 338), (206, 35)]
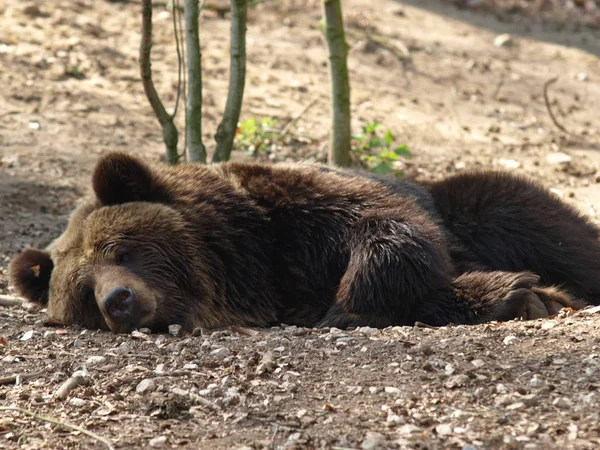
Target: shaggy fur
[(257, 245)]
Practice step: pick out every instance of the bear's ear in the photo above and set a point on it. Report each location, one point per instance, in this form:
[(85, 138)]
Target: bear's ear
[(29, 273), (121, 178)]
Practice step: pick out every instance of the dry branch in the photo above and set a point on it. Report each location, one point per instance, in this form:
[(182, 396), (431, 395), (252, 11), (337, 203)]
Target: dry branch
[(237, 79), (549, 108), (9, 300), (21, 376), (67, 425), (165, 119), (339, 141), (297, 117)]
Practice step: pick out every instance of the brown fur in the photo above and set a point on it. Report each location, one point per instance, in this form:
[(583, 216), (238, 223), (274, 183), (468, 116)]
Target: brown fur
[(302, 244)]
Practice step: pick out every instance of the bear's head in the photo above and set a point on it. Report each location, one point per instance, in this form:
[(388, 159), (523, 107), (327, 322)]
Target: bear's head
[(125, 260)]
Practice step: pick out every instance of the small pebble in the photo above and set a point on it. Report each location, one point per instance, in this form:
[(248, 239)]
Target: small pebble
[(95, 360), (456, 381), (409, 429), (394, 418), (515, 406), (373, 390), (175, 330), (478, 363), (373, 440), (77, 402), (147, 385), (392, 390), (530, 400), (509, 340), (536, 382), (139, 335), (27, 335), (50, 335), (158, 442), (501, 389), (503, 40), (123, 349), (222, 352), (562, 403), (443, 429), (460, 414)]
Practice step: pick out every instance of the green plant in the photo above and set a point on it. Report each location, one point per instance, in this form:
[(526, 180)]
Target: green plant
[(255, 135), (375, 149)]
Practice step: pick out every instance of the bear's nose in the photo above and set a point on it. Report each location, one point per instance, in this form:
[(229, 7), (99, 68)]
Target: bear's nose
[(119, 303)]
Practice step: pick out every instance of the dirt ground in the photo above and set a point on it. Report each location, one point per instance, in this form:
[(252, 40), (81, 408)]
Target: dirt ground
[(438, 75)]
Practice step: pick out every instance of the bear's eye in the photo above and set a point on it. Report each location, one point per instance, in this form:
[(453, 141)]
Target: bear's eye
[(88, 296), (122, 257)]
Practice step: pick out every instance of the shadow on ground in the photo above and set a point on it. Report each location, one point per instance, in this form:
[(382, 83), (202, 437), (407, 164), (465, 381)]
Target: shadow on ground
[(573, 35), (32, 213)]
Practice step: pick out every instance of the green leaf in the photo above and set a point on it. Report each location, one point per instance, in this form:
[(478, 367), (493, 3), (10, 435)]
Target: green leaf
[(375, 142), (383, 168), (389, 138), (248, 128), (371, 127), (403, 150), (389, 156)]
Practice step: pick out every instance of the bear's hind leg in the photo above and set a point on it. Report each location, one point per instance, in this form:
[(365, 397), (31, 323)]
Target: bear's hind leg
[(512, 224), (498, 296)]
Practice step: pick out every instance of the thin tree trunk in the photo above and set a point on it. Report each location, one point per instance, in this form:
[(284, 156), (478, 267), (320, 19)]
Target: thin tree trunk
[(193, 125), (339, 140), (237, 78), (169, 130)]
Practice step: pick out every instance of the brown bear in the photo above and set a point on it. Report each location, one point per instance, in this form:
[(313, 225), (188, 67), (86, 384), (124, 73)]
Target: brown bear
[(303, 244)]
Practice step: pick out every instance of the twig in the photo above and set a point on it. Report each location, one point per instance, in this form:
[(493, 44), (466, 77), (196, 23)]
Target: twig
[(549, 108), (275, 431), (77, 379), (196, 398), (498, 88), (9, 300), (237, 80), (245, 331), (67, 425), (295, 119), (20, 376), (166, 121), (394, 46)]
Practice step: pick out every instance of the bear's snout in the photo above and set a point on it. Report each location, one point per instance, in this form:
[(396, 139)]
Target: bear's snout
[(125, 301), (119, 304)]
